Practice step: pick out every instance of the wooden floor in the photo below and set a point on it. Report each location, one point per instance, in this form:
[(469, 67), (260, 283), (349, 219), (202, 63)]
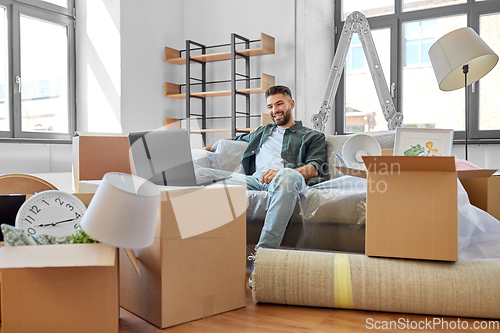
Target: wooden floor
[(265, 318)]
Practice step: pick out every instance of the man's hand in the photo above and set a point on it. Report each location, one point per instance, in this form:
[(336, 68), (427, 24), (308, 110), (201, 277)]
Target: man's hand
[(307, 171), (268, 176)]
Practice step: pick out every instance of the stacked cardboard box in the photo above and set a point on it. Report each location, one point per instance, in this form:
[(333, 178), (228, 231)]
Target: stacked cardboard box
[(95, 154), (196, 266)]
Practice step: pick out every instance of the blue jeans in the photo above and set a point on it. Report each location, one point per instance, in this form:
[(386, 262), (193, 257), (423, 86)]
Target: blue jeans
[(284, 190)]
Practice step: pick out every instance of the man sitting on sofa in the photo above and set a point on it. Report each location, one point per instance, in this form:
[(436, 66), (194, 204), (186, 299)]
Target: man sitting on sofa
[(279, 159)]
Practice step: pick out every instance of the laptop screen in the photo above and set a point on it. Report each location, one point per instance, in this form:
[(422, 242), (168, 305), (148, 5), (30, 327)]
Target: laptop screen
[(163, 157)]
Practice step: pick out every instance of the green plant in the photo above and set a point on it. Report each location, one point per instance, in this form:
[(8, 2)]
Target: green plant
[(81, 237)]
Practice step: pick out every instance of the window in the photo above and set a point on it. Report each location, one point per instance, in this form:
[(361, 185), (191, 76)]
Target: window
[(373, 8), (419, 37), (37, 70), (363, 111), (409, 5), (411, 28), (355, 56)]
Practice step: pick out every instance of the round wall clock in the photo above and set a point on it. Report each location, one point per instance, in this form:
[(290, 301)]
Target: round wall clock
[(51, 212)]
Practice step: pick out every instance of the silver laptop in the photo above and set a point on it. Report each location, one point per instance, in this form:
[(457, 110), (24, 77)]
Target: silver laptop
[(164, 158)]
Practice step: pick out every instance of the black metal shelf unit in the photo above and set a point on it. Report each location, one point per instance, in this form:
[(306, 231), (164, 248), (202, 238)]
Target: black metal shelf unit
[(189, 59)]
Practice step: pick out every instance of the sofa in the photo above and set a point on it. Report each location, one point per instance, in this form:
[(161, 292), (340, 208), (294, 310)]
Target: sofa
[(328, 216)]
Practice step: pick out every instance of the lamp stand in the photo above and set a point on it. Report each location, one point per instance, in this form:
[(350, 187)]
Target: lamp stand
[(466, 70)]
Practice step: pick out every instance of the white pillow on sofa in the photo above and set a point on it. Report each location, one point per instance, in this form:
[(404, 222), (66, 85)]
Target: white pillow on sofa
[(227, 155), (200, 158)]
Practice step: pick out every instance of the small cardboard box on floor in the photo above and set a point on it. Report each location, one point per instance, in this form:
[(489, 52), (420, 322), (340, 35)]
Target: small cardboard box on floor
[(196, 266), (412, 206), (60, 288), (95, 154)]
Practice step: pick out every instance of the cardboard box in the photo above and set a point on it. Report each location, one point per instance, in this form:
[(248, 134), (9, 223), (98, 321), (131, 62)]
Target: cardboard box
[(412, 205), (59, 288), (484, 193), (95, 154), (194, 269), (41, 283), (387, 152)]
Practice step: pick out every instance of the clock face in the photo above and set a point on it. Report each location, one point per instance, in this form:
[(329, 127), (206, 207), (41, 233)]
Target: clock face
[(52, 213)]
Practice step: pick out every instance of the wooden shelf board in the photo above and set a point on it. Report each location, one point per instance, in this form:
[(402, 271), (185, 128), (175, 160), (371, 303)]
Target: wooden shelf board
[(218, 93), (219, 56), (246, 129), (266, 47), (210, 130), (252, 91), (221, 130), (254, 52), (176, 96)]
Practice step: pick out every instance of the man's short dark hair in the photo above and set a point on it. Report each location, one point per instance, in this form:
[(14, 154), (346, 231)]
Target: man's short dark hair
[(278, 90)]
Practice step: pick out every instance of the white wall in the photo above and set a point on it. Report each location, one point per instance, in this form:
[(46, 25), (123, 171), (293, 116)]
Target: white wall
[(303, 32), (146, 28), (98, 66), (212, 22), (315, 50), (34, 158), (484, 156)]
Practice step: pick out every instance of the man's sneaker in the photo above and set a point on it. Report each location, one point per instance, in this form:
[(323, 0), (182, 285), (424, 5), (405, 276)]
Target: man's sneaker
[(252, 265)]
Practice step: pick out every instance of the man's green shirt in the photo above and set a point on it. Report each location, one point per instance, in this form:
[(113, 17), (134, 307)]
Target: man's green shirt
[(301, 146)]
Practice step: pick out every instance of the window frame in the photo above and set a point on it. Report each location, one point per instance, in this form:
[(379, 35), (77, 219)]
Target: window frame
[(395, 21), (51, 13)]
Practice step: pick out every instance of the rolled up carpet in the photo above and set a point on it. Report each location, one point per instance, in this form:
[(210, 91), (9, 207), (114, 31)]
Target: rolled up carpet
[(467, 288)]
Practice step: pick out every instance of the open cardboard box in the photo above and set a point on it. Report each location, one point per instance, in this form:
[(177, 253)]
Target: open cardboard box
[(95, 154), (60, 288), (182, 278), (412, 206), (188, 274)]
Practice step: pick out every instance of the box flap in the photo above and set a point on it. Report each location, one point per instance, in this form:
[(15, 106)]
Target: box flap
[(386, 164), (99, 134), (475, 173), (63, 255), (352, 172), (461, 173)]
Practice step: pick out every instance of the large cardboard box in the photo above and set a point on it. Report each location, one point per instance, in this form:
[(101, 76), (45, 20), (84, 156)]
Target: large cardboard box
[(196, 266), (95, 154), (484, 193), (59, 288), (411, 207)]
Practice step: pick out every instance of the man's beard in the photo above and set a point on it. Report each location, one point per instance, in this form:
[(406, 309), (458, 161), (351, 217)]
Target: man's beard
[(286, 118)]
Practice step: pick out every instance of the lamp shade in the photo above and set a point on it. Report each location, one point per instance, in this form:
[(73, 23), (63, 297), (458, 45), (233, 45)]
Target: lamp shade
[(123, 211), (455, 49)]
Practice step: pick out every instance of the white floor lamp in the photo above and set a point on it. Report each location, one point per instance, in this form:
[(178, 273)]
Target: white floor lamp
[(460, 58)]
